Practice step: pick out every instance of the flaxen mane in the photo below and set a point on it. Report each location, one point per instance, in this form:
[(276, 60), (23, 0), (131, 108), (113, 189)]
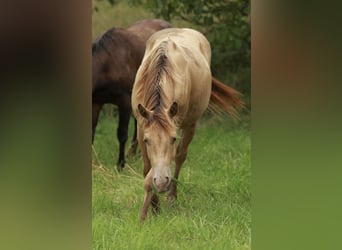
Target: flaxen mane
[(154, 75)]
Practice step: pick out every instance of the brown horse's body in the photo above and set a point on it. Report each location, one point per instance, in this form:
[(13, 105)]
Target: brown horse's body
[(117, 54), (172, 89)]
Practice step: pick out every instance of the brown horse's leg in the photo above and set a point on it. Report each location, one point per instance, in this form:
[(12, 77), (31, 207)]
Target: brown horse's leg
[(122, 132), (182, 151), (133, 148), (95, 117)]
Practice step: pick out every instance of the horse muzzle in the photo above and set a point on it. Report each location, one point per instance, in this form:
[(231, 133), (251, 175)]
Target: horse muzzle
[(162, 184)]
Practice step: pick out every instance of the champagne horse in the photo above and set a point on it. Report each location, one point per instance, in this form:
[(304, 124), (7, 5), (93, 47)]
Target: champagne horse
[(172, 89)]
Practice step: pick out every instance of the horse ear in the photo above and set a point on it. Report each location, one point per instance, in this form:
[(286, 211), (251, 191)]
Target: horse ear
[(173, 109), (144, 112)]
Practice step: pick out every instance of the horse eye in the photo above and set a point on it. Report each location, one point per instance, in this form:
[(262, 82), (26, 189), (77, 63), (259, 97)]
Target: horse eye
[(145, 140), (173, 140)]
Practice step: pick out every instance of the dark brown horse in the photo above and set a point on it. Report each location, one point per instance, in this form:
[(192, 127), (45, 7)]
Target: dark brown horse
[(117, 54)]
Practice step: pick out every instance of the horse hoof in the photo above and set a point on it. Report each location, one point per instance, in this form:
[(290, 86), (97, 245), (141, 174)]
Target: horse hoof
[(120, 165), (143, 217)]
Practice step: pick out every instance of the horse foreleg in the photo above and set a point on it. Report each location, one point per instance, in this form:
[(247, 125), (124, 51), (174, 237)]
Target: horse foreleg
[(146, 161), (96, 108), (122, 134), (147, 197), (182, 151), (150, 197)]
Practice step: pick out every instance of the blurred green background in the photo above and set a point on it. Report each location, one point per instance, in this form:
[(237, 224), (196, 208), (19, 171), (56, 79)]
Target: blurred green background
[(226, 24)]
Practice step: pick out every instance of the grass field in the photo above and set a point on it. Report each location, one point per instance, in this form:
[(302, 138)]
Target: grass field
[(213, 210)]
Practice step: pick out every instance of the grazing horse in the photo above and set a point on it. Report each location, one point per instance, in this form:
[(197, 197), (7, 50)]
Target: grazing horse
[(172, 89), (117, 55)]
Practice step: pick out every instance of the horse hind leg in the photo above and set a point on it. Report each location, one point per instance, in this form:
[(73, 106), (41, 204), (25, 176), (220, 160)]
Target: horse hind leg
[(133, 148), (96, 108), (182, 151), (122, 135)]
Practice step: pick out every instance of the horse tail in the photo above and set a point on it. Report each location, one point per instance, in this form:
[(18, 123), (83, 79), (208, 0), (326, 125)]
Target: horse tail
[(224, 99)]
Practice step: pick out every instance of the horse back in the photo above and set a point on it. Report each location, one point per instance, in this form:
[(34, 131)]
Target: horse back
[(116, 57), (188, 58)]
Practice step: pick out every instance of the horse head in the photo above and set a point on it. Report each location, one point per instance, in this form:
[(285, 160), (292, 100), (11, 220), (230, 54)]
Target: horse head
[(159, 137)]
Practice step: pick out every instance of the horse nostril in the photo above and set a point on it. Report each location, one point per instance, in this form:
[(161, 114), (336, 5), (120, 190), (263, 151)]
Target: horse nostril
[(167, 179)]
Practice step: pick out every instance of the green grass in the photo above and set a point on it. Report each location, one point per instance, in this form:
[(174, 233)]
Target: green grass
[(213, 210)]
